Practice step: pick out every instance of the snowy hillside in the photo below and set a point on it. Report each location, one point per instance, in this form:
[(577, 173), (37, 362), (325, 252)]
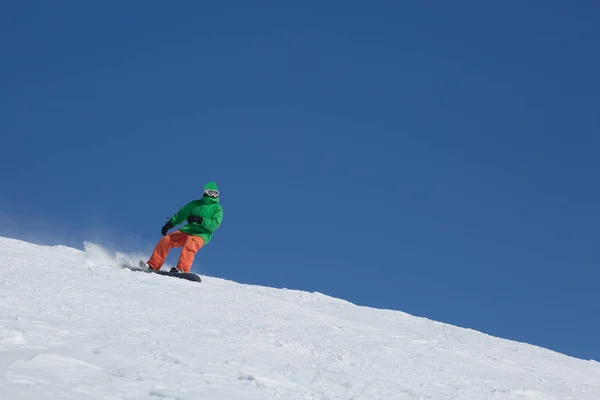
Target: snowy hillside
[(75, 326)]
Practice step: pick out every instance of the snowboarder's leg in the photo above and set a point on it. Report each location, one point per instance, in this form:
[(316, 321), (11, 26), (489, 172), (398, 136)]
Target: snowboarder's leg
[(186, 258), (175, 239)]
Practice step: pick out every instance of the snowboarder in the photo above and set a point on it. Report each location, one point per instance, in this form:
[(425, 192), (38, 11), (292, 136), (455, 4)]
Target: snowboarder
[(203, 217)]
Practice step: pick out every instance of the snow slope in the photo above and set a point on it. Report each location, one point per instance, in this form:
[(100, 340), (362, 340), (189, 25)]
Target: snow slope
[(75, 326)]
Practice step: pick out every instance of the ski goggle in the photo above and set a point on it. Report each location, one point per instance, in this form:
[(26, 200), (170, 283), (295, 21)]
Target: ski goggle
[(212, 193)]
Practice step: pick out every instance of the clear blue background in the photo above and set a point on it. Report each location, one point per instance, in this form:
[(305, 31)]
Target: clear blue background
[(438, 158)]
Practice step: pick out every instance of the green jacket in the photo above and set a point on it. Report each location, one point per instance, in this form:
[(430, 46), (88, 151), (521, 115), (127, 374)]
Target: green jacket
[(209, 209)]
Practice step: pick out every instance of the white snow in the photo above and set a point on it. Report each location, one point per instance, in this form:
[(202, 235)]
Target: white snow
[(73, 325)]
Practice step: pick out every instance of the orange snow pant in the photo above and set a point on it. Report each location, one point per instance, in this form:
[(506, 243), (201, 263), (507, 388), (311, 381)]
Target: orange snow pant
[(191, 244)]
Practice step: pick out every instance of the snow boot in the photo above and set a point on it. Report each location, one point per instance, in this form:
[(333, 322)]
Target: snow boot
[(145, 266)]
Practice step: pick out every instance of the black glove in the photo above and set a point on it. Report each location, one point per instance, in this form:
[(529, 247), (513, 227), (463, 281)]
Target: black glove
[(195, 218), (166, 228)]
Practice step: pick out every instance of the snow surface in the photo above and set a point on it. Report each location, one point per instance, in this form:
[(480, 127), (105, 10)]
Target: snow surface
[(73, 325)]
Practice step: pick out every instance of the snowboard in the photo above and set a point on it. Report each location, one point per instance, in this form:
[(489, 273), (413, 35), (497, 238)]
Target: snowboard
[(181, 275)]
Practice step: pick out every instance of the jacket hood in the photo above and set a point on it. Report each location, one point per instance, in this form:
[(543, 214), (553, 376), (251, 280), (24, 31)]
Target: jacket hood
[(211, 186), (208, 199)]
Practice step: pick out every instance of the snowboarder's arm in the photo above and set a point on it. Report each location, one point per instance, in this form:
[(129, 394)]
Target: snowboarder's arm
[(182, 214), (212, 223)]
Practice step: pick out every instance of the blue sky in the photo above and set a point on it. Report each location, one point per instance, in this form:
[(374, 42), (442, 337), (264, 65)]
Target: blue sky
[(438, 159)]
